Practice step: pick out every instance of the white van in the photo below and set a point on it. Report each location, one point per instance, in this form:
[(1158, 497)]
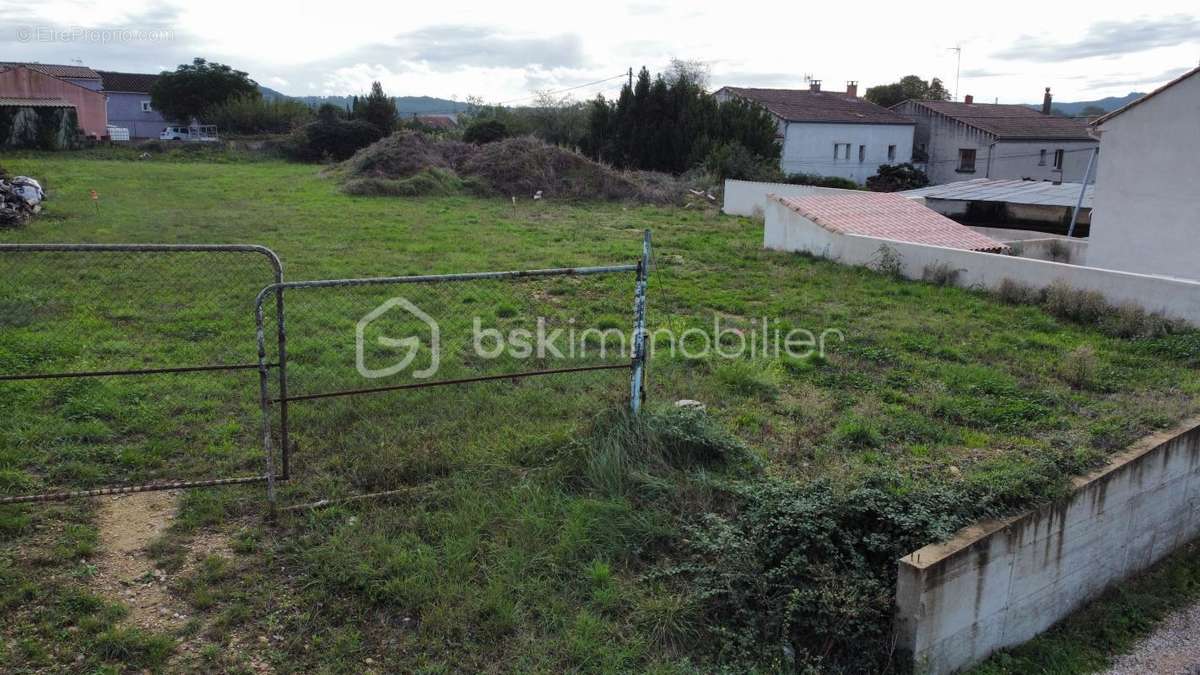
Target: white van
[(198, 133)]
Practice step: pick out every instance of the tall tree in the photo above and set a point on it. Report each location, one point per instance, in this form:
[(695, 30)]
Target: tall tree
[(909, 87), (193, 88), (377, 108)]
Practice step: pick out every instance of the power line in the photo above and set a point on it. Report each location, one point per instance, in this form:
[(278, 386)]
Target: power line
[(561, 91)]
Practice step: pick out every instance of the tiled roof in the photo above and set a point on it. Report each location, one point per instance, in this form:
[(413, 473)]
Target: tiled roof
[(14, 102), (802, 105), (1011, 121), (55, 70), (437, 121), (889, 216), (139, 83)]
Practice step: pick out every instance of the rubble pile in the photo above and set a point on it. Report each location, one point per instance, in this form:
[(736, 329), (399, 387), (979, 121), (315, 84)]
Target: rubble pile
[(20, 198)]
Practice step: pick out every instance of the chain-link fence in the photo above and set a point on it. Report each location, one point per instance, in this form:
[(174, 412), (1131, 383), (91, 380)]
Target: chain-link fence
[(127, 368), (380, 369)]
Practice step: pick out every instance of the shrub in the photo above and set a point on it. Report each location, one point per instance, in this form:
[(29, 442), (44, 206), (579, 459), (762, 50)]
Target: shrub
[(1017, 293), (734, 160), (940, 274), (485, 131), (330, 139), (259, 116), (1079, 367), (888, 261), (896, 177), (817, 180)]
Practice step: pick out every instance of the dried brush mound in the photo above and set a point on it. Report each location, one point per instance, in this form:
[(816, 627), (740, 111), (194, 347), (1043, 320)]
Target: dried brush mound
[(405, 162)]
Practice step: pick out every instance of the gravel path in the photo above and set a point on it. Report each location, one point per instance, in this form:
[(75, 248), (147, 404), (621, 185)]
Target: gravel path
[(1172, 649)]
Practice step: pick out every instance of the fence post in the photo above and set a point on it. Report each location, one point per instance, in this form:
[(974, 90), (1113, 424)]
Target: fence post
[(636, 390), (265, 395)]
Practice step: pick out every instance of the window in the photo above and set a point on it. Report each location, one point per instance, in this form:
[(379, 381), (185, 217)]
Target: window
[(146, 106), (892, 153), (1042, 158), (1058, 159), (966, 160), (841, 151), (862, 153)]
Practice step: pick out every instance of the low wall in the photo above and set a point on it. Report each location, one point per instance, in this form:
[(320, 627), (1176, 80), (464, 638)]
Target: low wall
[(749, 198), (1058, 249), (786, 230), (999, 583)]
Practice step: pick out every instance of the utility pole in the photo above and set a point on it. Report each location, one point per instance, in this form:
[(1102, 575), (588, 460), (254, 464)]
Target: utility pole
[(957, 67), (1087, 176)]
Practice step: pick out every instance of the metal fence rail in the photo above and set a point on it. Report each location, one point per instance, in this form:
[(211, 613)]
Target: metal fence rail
[(80, 312), (342, 330)]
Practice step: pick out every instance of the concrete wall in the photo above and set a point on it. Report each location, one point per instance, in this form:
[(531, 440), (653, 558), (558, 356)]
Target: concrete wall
[(786, 230), (808, 148), (1057, 249), (943, 137), (1147, 201), (749, 198), (999, 583)]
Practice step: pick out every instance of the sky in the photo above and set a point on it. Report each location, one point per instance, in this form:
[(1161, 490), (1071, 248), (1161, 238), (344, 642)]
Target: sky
[(507, 51)]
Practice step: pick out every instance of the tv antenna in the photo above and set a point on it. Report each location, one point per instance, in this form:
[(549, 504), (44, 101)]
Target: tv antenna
[(957, 68)]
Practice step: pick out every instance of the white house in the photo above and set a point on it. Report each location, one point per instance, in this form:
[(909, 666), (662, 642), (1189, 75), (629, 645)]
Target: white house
[(960, 141), (1146, 210), (832, 133)]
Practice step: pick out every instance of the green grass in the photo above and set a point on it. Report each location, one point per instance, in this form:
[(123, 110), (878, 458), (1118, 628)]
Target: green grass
[(526, 536)]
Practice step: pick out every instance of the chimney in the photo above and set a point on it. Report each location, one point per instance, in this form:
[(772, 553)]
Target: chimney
[(968, 99), (1046, 102), (814, 85), (852, 88)]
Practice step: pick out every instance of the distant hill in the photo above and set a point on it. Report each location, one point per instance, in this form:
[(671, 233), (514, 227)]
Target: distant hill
[(1073, 108), (405, 105)]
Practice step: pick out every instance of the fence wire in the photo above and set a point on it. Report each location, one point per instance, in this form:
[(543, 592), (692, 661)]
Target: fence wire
[(124, 368), (389, 378)]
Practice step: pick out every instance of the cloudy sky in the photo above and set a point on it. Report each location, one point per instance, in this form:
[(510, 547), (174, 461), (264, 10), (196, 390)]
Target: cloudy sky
[(505, 51)]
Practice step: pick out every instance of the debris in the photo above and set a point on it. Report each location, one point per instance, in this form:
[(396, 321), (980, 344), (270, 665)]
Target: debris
[(20, 199), (690, 404)]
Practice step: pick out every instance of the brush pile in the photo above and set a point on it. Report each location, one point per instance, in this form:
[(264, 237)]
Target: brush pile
[(409, 164), (20, 199)]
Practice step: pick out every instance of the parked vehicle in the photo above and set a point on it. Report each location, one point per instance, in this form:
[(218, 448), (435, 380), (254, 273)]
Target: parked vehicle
[(201, 133)]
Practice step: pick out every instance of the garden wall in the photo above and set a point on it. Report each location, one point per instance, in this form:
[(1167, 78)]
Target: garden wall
[(787, 230), (999, 583), (749, 198)]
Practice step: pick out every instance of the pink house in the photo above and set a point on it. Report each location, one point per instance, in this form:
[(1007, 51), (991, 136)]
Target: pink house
[(29, 87)]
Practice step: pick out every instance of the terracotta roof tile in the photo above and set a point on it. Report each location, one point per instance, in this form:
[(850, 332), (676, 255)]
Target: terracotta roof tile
[(57, 70), (138, 83), (1010, 121), (801, 105), (889, 216)]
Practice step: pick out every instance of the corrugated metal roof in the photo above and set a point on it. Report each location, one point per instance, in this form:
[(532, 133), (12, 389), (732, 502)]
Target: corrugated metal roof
[(1011, 121), (1012, 191), (889, 216), (802, 105), (13, 102)]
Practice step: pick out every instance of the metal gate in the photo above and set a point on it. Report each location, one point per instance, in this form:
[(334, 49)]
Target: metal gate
[(114, 358), (350, 339)]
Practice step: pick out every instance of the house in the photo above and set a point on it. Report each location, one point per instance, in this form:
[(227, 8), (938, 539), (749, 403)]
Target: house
[(1147, 207), (1032, 206), (437, 122), (958, 141), (33, 86), (129, 103), (832, 133)]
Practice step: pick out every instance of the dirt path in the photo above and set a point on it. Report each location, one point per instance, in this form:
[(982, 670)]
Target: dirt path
[(127, 524), (1172, 649)]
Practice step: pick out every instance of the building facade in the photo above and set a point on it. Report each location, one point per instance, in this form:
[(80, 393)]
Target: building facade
[(129, 103), (1145, 208), (30, 83), (832, 133), (960, 141)]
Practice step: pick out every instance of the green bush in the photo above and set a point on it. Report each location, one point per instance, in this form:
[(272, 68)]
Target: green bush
[(259, 116), (734, 160), (335, 139), (896, 177), (485, 131), (817, 180)]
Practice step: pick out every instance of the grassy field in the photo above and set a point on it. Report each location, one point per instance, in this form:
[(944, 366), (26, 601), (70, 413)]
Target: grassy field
[(540, 529)]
